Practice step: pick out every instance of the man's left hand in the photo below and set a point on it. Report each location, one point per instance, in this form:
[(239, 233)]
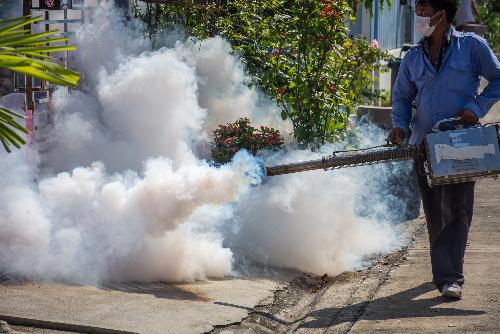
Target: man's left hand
[(468, 116)]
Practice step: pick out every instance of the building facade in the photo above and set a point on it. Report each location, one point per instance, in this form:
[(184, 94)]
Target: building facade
[(392, 27)]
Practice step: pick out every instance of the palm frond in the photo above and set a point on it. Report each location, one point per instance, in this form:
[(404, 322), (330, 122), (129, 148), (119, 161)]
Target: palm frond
[(28, 53), (16, 23), (14, 33), (8, 125), (23, 40), (46, 49)]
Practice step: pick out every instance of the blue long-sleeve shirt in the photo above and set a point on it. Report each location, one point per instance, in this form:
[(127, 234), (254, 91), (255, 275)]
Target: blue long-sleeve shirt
[(443, 94)]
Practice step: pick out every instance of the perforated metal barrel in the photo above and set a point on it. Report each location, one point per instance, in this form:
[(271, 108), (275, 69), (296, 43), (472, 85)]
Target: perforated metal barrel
[(348, 159)]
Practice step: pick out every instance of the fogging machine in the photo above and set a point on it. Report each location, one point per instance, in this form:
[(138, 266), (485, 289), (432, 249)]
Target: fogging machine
[(451, 153)]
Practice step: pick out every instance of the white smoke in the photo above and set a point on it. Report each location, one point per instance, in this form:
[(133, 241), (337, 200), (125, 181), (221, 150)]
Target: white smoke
[(126, 194), (88, 225), (146, 107), (223, 87), (319, 221), (307, 221)]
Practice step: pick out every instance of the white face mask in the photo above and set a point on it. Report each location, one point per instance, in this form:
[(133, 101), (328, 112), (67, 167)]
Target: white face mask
[(422, 25)]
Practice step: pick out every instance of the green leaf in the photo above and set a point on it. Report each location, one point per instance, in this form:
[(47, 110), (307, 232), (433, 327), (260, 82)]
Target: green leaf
[(28, 53), (15, 23), (7, 126), (41, 69), (15, 32), (4, 112), (27, 39), (46, 49)]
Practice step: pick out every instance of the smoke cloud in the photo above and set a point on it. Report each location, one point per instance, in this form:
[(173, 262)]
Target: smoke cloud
[(308, 221), (125, 192)]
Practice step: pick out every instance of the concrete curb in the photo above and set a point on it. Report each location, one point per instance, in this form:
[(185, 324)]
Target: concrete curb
[(18, 321)]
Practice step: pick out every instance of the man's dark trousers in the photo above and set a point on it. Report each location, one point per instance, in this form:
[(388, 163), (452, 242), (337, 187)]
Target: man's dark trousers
[(448, 212)]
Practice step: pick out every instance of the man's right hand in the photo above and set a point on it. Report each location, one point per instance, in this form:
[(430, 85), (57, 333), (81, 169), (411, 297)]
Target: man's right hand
[(396, 136)]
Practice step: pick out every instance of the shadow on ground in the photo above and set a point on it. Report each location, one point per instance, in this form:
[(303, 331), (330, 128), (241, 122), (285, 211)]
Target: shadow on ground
[(189, 291), (159, 290), (398, 306)]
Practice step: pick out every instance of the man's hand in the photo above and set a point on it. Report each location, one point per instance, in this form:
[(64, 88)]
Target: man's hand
[(468, 116), (396, 136)]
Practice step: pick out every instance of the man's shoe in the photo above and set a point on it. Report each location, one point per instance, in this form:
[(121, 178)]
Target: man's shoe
[(452, 291)]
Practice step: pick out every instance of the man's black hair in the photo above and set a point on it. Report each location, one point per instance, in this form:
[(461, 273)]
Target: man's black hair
[(449, 6)]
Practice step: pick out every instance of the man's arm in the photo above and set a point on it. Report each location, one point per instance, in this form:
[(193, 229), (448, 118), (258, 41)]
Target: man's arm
[(487, 65), (403, 94)]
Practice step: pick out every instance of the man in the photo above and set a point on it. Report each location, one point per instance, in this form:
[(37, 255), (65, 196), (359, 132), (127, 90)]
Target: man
[(442, 74)]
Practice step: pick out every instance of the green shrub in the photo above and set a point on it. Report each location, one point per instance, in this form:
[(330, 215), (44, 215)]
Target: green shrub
[(490, 15), (232, 137), (298, 52)]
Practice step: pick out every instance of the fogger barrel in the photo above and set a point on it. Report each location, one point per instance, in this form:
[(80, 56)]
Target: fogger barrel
[(349, 159), (448, 156)]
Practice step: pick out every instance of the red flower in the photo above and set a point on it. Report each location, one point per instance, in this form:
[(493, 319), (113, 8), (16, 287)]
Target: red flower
[(230, 138), (328, 10)]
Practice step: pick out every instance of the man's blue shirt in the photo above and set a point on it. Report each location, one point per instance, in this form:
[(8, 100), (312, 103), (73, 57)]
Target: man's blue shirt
[(443, 94)]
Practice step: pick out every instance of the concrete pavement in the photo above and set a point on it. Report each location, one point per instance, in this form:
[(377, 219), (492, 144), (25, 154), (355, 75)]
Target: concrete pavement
[(133, 308), (410, 302)]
